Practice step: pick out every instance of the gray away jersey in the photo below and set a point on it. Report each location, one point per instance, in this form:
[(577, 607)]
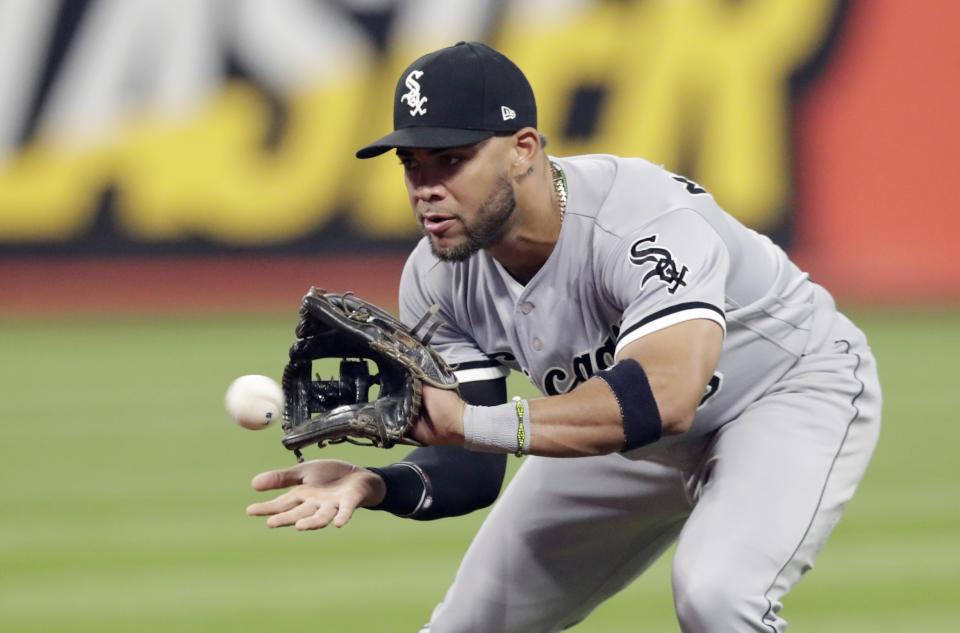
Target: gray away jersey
[(640, 249)]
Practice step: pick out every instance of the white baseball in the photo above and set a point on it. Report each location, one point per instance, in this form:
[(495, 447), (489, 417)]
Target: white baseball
[(254, 401)]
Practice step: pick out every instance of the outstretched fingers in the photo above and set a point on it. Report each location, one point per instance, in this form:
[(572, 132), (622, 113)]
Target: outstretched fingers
[(304, 511), (337, 513), (290, 517), (320, 518), (284, 502), (274, 479)]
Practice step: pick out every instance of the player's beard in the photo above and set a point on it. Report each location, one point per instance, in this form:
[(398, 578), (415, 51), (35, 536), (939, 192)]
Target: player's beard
[(489, 227)]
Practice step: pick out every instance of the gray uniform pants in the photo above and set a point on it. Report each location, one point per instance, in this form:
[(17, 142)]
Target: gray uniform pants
[(749, 507)]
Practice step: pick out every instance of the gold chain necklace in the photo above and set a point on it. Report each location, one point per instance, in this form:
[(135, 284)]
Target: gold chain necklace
[(560, 185)]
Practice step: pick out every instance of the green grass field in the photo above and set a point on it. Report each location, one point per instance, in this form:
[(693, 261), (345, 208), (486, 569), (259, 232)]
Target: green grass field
[(124, 488)]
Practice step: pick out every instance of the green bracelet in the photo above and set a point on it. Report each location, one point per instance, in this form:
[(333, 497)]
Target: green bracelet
[(521, 434)]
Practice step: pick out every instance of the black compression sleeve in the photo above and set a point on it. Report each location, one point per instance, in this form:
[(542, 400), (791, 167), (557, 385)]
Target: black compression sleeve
[(462, 481), (485, 392)]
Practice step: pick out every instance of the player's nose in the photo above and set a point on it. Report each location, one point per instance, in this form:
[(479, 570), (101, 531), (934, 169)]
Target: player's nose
[(427, 187)]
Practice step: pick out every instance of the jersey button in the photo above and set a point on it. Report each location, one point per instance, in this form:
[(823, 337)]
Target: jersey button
[(537, 344), (527, 307)]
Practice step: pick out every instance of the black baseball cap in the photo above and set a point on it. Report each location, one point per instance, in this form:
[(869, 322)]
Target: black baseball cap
[(459, 95)]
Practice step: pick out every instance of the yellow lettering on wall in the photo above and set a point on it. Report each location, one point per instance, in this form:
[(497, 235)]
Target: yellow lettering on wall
[(206, 176), (215, 178), (698, 84), (47, 193), (562, 55), (706, 81)]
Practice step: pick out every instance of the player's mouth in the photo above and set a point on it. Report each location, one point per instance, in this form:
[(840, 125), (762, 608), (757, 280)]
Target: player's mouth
[(437, 223)]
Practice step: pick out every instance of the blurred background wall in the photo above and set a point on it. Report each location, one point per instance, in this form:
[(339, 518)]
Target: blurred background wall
[(200, 152)]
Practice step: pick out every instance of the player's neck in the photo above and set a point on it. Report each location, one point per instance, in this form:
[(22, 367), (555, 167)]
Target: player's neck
[(535, 229)]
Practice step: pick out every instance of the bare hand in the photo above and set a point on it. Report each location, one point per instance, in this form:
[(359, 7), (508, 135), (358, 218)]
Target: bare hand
[(326, 490), (442, 419)]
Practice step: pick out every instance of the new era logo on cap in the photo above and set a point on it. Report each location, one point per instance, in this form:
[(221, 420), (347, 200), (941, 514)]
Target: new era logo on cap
[(457, 96)]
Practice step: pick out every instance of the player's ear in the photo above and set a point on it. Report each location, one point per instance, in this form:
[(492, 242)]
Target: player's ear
[(526, 147)]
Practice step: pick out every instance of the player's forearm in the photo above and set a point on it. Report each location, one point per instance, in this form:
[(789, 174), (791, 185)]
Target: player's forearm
[(459, 481), (586, 421), (614, 411), (590, 421), (434, 482)]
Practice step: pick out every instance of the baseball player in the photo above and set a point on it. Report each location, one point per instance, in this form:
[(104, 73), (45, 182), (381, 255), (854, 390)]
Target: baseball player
[(701, 388)]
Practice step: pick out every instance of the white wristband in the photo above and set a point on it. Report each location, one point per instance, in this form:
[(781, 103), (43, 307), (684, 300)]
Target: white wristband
[(498, 429)]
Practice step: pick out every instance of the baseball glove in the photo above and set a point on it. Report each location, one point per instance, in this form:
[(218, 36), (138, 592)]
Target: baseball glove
[(339, 410)]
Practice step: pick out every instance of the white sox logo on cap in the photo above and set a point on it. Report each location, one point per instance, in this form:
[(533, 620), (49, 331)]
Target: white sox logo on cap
[(475, 92), (412, 98)]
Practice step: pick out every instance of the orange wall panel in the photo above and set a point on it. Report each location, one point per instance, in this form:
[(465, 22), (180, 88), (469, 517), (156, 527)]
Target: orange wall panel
[(878, 155)]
